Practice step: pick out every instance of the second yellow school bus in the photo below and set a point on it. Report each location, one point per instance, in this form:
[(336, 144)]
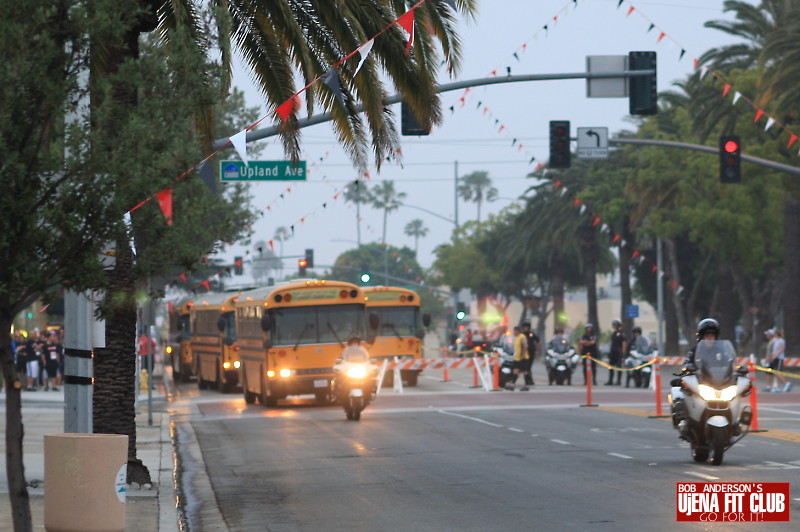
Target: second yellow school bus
[(214, 347), (179, 342), (400, 326), (291, 335)]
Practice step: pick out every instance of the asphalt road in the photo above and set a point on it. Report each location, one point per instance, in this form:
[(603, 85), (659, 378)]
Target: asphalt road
[(443, 456)]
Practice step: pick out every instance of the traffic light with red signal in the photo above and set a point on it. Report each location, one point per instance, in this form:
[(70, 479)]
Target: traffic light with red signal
[(559, 144), (730, 159), (302, 264)]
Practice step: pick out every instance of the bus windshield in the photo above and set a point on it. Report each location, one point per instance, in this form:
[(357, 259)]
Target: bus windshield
[(316, 325), (396, 321)]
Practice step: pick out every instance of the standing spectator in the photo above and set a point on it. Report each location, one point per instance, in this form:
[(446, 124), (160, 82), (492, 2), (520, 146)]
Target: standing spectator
[(520, 359), (775, 358), (32, 355), (588, 347), (616, 351), (52, 356), (533, 350), (21, 357), (147, 349), (469, 342)]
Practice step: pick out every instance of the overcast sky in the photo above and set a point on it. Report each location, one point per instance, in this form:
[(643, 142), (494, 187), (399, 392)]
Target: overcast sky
[(480, 133)]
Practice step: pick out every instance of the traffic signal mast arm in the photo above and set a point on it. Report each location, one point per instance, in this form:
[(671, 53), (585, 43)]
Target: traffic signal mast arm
[(258, 134), (708, 149)]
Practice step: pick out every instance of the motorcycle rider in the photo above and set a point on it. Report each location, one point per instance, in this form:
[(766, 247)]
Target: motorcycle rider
[(707, 329), (354, 353), (641, 345), (588, 347)]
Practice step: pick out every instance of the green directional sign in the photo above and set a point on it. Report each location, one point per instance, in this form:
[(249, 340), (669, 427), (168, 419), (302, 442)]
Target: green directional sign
[(262, 171)]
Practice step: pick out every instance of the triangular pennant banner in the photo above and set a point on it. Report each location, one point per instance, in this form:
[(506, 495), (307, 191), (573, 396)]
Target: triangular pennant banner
[(406, 21), (363, 51), (331, 79), (770, 121), (165, 203), (239, 142), (288, 107)]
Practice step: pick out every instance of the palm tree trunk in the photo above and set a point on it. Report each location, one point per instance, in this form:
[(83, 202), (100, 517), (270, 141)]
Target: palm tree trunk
[(115, 364), (557, 289), (589, 245), (385, 219), (358, 223), (625, 250), (15, 468)]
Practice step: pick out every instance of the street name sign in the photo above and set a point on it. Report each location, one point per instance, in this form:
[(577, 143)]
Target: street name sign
[(262, 171), (592, 143)]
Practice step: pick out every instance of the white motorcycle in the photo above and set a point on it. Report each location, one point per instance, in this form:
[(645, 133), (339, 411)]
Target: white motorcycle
[(354, 386), (708, 401), (641, 376), (561, 361)]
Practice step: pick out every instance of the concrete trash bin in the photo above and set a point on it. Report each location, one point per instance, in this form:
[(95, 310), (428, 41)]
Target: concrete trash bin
[(85, 482)]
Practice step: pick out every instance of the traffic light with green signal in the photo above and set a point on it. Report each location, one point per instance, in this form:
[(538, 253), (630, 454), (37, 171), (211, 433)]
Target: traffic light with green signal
[(461, 311), (365, 278)]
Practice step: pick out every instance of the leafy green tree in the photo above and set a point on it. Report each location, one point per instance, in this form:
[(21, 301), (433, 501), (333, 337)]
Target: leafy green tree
[(374, 259), (477, 188), (416, 229), (264, 261)]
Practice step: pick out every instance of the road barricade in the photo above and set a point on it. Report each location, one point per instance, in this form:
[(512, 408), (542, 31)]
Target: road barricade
[(481, 364)]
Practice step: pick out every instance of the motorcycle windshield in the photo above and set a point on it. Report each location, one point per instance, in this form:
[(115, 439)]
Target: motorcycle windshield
[(560, 345), (714, 360)]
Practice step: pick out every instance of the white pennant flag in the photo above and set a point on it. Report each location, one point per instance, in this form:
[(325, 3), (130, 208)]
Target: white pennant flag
[(736, 97), (703, 72), (770, 121), (583, 209), (239, 142), (363, 52)]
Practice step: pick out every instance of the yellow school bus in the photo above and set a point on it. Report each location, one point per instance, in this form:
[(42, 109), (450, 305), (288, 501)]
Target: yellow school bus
[(292, 333), (400, 330), (214, 347), (179, 342)]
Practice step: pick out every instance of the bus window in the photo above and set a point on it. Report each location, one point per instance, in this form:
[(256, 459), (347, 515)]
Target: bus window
[(397, 321), (312, 325)]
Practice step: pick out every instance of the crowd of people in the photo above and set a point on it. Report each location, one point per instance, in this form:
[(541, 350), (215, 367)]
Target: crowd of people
[(39, 359)]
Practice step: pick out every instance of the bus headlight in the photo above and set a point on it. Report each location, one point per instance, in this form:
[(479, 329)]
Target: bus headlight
[(237, 364), (270, 373), (168, 349), (226, 365), (285, 373)]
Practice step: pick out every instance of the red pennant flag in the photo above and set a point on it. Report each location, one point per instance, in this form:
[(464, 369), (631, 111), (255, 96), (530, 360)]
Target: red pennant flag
[(272, 246), (502, 127), (635, 254), (616, 239), (406, 21), (183, 277), (165, 202), (289, 107), (661, 36), (674, 285), (630, 10), (494, 72), (558, 185), (595, 221), (726, 89), (696, 63), (207, 285), (576, 202), (759, 114), (792, 140), (654, 268)]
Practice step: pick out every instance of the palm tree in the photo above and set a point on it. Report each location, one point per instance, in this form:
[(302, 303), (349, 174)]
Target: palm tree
[(416, 228), (279, 40), (358, 193), (384, 196), (477, 187)]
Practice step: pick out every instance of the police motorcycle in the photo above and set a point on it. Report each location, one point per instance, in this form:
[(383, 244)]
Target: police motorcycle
[(354, 384), (708, 401), (560, 361), (506, 364), (641, 376)]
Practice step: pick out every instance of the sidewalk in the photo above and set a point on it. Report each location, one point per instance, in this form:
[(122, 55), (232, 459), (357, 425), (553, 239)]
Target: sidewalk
[(148, 508)]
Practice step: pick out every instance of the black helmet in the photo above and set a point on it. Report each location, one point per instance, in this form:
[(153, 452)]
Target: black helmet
[(707, 325), (637, 329)]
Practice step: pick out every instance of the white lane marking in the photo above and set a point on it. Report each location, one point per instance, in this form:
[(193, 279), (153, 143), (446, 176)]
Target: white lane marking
[(621, 456), (512, 429), (701, 475), (772, 409), (562, 442), (470, 418)]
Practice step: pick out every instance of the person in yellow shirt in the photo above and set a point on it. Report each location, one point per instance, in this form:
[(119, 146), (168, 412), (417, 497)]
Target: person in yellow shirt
[(520, 359)]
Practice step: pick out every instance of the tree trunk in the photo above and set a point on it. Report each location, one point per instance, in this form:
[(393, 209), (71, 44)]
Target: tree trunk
[(727, 303), (557, 290), (672, 333), (115, 364), (625, 251), (589, 245), (15, 468), (791, 268), (674, 273)]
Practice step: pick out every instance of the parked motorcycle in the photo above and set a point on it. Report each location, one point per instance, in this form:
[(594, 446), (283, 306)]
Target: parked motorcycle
[(560, 361), (708, 401), (641, 376), (354, 386), (506, 365)]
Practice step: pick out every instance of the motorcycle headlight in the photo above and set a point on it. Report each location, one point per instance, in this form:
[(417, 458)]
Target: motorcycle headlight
[(712, 394), (357, 372), (728, 393)]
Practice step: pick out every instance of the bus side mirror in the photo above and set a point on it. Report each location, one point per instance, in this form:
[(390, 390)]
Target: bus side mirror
[(221, 324), (267, 344), (374, 321), (426, 320), (266, 322), (420, 333), (227, 341)]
